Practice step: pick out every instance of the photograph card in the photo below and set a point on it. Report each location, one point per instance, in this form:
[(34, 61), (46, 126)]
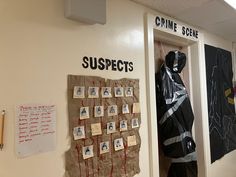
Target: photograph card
[(123, 125), (125, 109), (104, 147), (106, 92), (119, 91), (111, 127), (98, 111), (79, 92), (93, 92), (135, 123), (79, 133), (112, 110), (129, 91), (87, 152), (84, 113), (118, 144)]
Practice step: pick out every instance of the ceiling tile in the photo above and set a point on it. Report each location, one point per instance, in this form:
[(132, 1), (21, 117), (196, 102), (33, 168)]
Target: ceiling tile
[(171, 6), (227, 26), (212, 15)]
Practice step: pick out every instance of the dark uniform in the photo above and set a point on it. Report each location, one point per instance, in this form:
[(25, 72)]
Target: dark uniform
[(175, 117)]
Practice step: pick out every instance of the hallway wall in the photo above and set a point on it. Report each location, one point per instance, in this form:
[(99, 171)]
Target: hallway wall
[(39, 48)]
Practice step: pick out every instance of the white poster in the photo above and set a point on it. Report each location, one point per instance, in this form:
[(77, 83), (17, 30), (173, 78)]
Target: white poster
[(35, 129)]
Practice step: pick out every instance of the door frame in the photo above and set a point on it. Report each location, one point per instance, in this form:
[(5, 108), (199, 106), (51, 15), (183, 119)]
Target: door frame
[(198, 91)]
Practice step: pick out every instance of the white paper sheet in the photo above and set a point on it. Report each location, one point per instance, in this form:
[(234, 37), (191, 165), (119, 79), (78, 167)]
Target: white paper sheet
[(35, 129)]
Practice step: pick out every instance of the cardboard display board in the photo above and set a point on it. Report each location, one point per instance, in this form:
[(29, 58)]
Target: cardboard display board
[(104, 121)]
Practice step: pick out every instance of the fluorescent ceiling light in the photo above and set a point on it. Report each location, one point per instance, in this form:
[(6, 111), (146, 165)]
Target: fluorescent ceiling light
[(232, 3)]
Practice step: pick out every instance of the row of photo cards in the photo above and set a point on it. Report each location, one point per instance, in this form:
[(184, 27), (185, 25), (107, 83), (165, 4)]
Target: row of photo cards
[(96, 128), (104, 147), (112, 110), (106, 92)]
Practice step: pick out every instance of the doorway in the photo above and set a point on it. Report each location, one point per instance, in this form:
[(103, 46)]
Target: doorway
[(157, 44)]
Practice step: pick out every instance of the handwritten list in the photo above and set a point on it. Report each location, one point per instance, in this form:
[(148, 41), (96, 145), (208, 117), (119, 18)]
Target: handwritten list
[(35, 129)]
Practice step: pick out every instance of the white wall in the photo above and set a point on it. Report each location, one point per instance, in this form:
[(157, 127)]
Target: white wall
[(226, 165), (39, 48), (217, 41)]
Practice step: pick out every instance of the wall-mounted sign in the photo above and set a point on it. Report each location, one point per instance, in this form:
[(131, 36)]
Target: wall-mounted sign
[(175, 27), (100, 63)]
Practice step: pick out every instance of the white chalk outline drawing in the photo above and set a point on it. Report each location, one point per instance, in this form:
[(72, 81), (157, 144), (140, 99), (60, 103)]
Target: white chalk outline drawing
[(223, 125)]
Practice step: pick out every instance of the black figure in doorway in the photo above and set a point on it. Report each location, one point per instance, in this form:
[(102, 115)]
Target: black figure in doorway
[(175, 117)]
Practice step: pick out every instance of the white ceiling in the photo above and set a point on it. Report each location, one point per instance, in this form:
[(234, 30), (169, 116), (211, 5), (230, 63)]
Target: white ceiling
[(212, 15)]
